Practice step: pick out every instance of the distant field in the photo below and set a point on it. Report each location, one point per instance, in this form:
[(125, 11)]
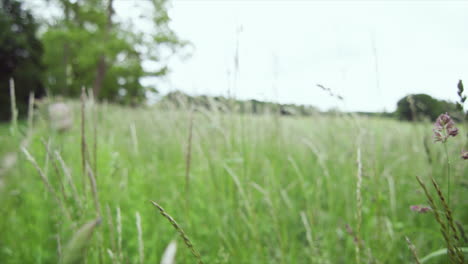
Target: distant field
[(261, 189)]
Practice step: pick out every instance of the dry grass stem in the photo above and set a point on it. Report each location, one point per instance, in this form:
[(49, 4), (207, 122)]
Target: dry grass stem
[(94, 190), (141, 252), (314, 250), (188, 154), (112, 256), (59, 246), (413, 250), (30, 114), (14, 110), (307, 228), (447, 210), (95, 137), (75, 250), (134, 137), (359, 205), (39, 170), (451, 224), (443, 226), (46, 182), (119, 235), (462, 231), (181, 232), (67, 173), (110, 224), (83, 138), (56, 169)]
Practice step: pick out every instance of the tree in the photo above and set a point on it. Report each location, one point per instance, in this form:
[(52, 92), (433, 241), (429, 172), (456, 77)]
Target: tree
[(417, 107), (20, 56), (88, 47)]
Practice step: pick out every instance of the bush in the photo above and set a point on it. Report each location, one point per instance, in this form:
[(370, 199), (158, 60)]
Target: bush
[(416, 107), (20, 56)]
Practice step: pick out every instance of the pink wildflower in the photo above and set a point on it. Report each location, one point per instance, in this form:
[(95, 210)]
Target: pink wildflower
[(464, 155), (444, 127), (420, 209)]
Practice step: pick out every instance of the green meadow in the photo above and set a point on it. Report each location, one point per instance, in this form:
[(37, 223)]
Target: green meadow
[(244, 188)]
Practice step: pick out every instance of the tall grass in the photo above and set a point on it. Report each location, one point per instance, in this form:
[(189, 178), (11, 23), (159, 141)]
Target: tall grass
[(256, 195)]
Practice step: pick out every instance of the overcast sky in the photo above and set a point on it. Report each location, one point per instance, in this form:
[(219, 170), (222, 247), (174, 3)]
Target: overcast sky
[(370, 52)]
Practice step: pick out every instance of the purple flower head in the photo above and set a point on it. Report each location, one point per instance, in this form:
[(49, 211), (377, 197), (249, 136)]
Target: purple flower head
[(420, 209), (444, 127), (464, 155)]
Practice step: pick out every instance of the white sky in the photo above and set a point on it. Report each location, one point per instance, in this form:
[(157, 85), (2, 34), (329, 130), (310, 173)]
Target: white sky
[(419, 47)]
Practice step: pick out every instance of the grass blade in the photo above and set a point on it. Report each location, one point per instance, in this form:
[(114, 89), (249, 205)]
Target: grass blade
[(75, 250), (440, 252)]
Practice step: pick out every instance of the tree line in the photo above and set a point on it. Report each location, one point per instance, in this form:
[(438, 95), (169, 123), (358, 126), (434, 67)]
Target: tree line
[(85, 45), (414, 107)]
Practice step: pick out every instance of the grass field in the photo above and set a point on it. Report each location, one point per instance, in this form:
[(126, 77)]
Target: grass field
[(260, 189)]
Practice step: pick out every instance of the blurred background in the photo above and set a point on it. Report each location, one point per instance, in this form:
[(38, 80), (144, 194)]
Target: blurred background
[(136, 52), (271, 131)]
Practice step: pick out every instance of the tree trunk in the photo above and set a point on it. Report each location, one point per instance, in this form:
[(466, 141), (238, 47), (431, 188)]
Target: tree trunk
[(65, 53), (100, 74), (101, 69)]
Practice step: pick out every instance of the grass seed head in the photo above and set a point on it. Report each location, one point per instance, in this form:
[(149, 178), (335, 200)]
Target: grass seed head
[(444, 127)]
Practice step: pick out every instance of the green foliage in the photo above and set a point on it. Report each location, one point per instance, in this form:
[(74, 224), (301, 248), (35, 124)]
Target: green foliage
[(462, 97), (20, 56), (262, 191), (422, 106), (87, 47)]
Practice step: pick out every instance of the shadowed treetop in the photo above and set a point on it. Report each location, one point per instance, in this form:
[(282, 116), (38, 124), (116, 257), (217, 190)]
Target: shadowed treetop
[(20, 56)]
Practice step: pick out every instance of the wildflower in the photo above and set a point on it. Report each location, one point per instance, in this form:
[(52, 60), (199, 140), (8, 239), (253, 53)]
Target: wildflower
[(420, 209), (444, 127), (464, 155)]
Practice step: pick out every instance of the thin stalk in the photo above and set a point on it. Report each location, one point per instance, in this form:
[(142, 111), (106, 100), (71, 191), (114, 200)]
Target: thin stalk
[(181, 232), (188, 162), (30, 114), (119, 236), (57, 171), (94, 190), (83, 139), (413, 250), (95, 140), (47, 184), (14, 110), (141, 254), (188, 153), (359, 205), (448, 178)]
